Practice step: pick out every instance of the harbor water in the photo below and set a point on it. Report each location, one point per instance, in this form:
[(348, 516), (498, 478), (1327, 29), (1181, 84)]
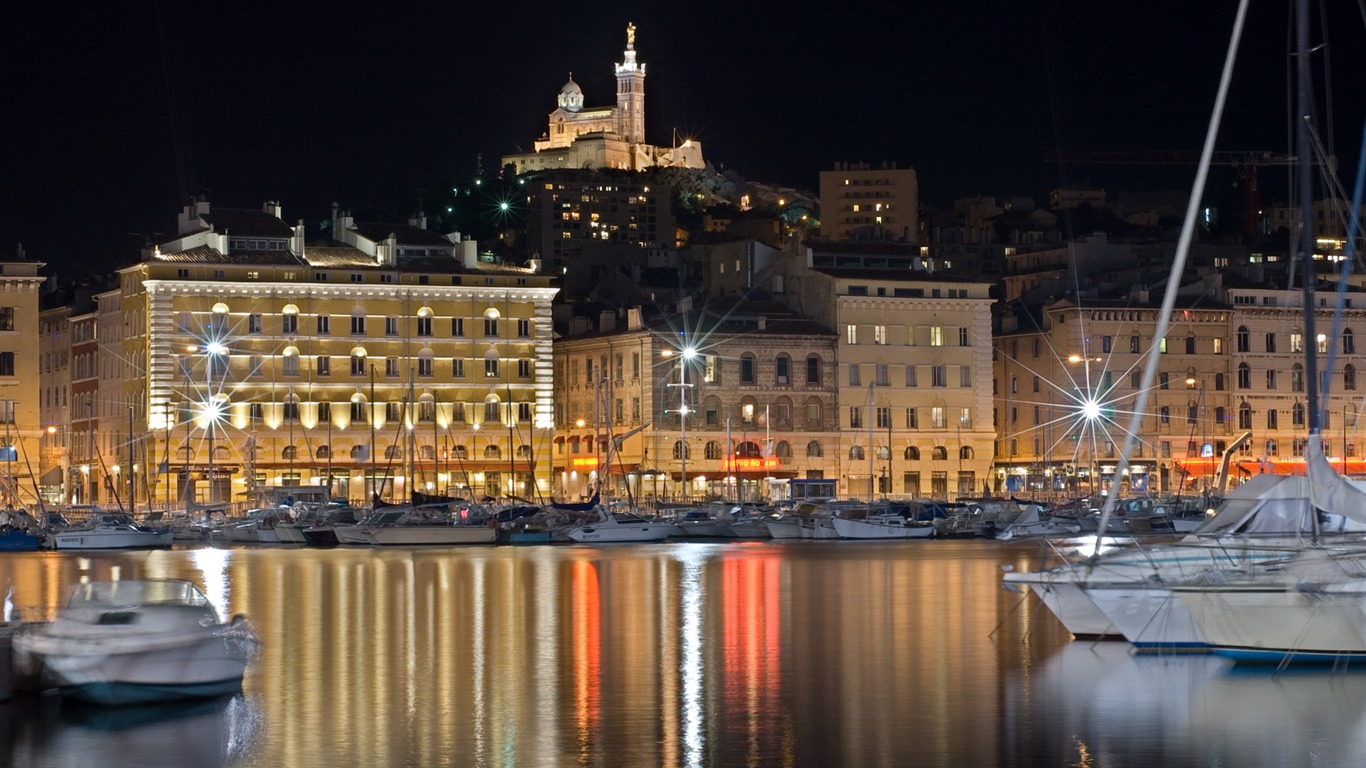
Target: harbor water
[(673, 654)]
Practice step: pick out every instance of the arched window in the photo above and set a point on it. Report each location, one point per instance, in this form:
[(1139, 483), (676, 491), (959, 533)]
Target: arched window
[(965, 452), (748, 449), (814, 413), (461, 452), (427, 452), (1297, 378), (940, 453), (324, 452), (392, 452), (523, 451), (813, 449), (493, 452), (747, 367), (782, 370), (289, 452), (813, 369), (358, 452), (1244, 376), (1244, 339), (712, 450), (782, 449), (856, 453), (911, 453), (884, 453), (1297, 415), (1244, 416), (680, 450), (1349, 342)]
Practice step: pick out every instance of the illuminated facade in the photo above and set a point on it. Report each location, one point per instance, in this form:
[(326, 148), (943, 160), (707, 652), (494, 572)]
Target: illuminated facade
[(758, 383), (605, 137), (860, 202), (618, 215), (1230, 365), (55, 475), (388, 361), (20, 426)]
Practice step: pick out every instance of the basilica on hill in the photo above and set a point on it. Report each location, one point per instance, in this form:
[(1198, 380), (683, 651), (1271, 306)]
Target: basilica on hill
[(605, 137)]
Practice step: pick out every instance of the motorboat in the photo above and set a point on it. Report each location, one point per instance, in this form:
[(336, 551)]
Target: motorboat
[(140, 641), (1033, 522), (111, 530), (612, 528), (323, 533), (19, 532), (882, 525), (426, 525)]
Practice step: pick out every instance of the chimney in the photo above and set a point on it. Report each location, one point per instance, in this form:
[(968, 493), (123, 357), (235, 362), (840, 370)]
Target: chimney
[(418, 220), (296, 243), (274, 209), (633, 321), (607, 321), (763, 322)]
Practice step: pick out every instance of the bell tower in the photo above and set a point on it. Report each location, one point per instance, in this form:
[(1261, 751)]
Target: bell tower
[(631, 92)]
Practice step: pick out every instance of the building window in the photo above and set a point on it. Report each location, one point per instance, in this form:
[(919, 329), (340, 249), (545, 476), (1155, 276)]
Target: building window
[(524, 368), (7, 364), (851, 333), (1271, 342), (853, 375), (855, 416), (291, 410), (1245, 416), (747, 369), (290, 365), (1296, 378), (939, 376), (424, 326), (936, 336), (324, 325), (490, 326), (391, 326), (289, 323), (884, 417), (1349, 342), (912, 419), (457, 327), (457, 367), (1134, 344), (1244, 376), (523, 329), (813, 370), (358, 325), (880, 374), (358, 365), (491, 367), (253, 323), (391, 367), (424, 366)]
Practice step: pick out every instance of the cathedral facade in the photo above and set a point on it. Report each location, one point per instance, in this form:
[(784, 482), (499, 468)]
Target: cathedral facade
[(604, 137)]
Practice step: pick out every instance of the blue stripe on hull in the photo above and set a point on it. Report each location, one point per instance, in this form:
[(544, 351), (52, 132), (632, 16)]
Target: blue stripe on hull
[(138, 693), (1188, 647), (1259, 656)]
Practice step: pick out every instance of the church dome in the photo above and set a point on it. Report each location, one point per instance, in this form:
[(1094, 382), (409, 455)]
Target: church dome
[(570, 96)]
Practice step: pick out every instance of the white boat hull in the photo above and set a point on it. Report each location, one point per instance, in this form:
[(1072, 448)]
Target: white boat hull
[(612, 533), (97, 539), (871, 529), (1149, 617), (784, 528), (1281, 625)]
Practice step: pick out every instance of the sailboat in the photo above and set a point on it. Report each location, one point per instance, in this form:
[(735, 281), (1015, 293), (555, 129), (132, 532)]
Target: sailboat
[(1175, 595), (872, 521), (623, 524)]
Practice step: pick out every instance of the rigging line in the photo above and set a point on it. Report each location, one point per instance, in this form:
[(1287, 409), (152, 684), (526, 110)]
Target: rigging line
[(1178, 267)]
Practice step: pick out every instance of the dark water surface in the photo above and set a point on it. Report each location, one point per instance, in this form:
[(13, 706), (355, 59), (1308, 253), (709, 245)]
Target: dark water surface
[(677, 654)]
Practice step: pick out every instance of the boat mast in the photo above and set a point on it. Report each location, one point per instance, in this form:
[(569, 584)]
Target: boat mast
[(871, 452), (132, 475), (1306, 244)]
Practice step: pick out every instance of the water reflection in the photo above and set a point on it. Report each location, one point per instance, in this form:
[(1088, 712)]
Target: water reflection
[(751, 654), (1099, 704), (45, 731)]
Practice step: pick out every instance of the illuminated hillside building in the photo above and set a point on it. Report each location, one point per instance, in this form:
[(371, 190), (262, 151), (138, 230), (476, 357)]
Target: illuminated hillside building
[(604, 137)]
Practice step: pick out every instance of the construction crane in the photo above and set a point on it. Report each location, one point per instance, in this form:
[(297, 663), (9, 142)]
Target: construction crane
[(1246, 163)]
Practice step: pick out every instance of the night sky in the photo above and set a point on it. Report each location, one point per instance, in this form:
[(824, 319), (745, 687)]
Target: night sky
[(115, 112)]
